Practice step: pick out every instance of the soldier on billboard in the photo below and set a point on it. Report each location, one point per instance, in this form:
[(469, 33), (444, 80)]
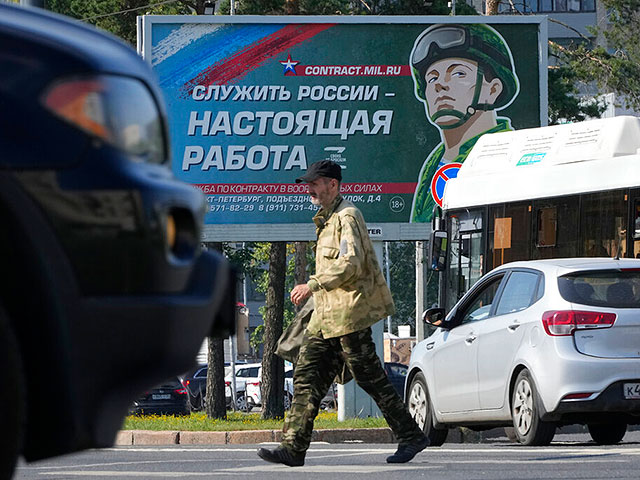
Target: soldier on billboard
[(463, 74), (350, 295)]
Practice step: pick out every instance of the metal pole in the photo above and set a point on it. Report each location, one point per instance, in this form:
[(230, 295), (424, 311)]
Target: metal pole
[(420, 289), (386, 254), (232, 10)]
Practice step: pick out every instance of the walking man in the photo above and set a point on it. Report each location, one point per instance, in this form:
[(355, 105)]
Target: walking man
[(350, 295)]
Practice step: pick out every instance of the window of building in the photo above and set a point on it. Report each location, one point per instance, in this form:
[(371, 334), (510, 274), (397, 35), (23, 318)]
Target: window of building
[(549, 6)]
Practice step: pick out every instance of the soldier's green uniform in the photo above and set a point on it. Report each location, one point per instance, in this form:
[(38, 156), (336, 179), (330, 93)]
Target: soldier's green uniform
[(423, 201), (483, 45), (350, 295)]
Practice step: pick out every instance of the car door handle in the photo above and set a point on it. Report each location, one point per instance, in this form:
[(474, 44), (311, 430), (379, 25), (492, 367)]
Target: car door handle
[(514, 326), (470, 339), (430, 345)]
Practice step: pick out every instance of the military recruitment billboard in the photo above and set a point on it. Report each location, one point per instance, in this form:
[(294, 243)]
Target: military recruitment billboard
[(396, 101)]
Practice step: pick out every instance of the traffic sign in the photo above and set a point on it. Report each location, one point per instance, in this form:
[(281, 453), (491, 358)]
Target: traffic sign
[(439, 181)]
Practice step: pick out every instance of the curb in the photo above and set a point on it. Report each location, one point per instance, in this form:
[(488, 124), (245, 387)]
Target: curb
[(254, 437), (248, 437)]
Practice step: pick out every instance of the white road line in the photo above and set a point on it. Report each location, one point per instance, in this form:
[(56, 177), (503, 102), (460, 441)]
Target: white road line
[(462, 451), (116, 473)]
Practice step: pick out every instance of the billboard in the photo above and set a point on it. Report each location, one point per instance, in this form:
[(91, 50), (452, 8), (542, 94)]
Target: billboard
[(396, 101)]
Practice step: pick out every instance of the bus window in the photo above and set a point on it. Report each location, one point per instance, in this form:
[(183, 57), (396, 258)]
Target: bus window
[(509, 233), (547, 227), (465, 263), (603, 224), (556, 228)]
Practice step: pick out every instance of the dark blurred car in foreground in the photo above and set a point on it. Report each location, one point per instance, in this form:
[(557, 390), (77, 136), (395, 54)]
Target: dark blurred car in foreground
[(397, 374), (104, 289), (167, 398)]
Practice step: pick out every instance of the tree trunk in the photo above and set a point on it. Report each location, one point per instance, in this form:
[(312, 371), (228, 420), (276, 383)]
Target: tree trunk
[(272, 365), (216, 405), (292, 7), (300, 268), (492, 7)]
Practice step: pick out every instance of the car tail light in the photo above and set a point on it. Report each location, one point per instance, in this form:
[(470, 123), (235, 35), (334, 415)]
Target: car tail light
[(254, 384), (227, 384), (180, 391), (186, 382), (565, 322), (577, 396), (120, 111)]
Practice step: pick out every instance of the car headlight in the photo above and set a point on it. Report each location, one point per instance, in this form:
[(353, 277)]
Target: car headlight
[(120, 111)]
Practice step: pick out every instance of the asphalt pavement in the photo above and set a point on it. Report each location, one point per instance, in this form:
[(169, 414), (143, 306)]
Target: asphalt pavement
[(569, 457)]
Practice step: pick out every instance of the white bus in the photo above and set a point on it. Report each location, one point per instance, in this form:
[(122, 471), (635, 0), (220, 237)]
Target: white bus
[(561, 191)]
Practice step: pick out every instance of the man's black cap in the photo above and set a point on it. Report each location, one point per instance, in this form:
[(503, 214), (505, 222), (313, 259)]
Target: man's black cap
[(323, 168)]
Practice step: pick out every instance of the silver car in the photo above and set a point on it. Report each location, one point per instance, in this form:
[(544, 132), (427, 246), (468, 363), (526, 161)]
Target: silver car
[(535, 345)]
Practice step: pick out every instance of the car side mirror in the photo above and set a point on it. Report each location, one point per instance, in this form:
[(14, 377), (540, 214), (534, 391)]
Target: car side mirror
[(438, 250), (434, 316)]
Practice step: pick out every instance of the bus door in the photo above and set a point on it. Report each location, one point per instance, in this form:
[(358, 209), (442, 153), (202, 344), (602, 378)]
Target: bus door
[(464, 266)]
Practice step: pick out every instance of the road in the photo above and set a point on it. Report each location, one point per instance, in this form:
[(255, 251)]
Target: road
[(568, 457)]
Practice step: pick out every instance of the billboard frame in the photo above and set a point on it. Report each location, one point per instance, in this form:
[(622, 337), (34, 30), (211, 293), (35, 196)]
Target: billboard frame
[(397, 231)]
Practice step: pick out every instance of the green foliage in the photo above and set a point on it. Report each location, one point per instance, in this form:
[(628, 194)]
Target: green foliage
[(346, 7), (116, 16), (615, 66), (402, 280), (564, 103), (199, 422), (259, 260)]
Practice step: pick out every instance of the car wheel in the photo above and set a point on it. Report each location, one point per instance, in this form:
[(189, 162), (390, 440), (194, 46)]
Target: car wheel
[(12, 398), (421, 411), (525, 412), (242, 405), (196, 404), (607, 434)]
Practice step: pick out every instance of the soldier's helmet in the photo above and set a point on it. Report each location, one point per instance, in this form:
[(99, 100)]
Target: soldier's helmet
[(477, 42)]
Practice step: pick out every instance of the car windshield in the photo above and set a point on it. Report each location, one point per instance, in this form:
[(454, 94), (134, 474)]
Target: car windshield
[(610, 288)]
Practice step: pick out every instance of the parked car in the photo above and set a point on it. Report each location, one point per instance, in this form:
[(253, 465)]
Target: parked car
[(535, 345), (254, 395), (397, 374), (195, 381), (104, 289), (168, 398), (330, 400)]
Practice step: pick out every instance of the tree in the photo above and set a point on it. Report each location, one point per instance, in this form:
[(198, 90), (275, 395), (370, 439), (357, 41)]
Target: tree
[(300, 264), (215, 401), (615, 65), (119, 16), (273, 366), (402, 281)]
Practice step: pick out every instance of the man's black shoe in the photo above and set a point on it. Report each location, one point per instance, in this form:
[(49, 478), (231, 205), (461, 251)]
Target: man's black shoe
[(282, 455), (406, 451)]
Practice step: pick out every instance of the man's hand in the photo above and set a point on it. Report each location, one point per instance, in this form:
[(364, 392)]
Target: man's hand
[(300, 293)]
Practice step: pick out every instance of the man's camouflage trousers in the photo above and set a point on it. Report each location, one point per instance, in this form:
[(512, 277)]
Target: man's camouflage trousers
[(318, 363)]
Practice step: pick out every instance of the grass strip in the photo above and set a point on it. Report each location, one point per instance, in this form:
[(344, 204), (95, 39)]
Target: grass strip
[(198, 422)]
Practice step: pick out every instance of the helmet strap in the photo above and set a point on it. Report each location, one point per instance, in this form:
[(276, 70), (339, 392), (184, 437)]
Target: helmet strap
[(471, 109)]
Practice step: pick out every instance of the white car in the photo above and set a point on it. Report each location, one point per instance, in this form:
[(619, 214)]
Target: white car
[(254, 397), (535, 345), (248, 372)]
